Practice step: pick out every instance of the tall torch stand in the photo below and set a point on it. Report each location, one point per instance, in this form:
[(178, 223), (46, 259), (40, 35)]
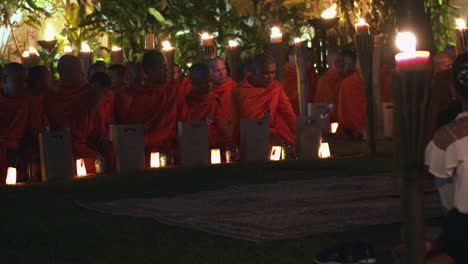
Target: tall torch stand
[(364, 46), (300, 52), (412, 99)]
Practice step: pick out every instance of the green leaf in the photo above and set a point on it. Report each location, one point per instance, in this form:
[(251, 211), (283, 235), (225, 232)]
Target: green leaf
[(156, 14)]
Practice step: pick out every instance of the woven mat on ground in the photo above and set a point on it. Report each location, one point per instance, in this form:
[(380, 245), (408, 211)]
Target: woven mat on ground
[(282, 210)]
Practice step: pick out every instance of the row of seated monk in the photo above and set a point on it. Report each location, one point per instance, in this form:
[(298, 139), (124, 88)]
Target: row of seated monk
[(140, 93)]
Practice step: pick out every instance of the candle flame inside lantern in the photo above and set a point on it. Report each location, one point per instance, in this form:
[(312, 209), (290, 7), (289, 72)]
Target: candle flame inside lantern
[(32, 51), (25, 54), (11, 176), (116, 48), (361, 20), (324, 150), (49, 32), (276, 32), (460, 23), (166, 46), (275, 153), (67, 49), (334, 127), (406, 42), (329, 12), (206, 35), (155, 160), (297, 40), (85, 47), (215, 156), (80, 168), (233, 43)]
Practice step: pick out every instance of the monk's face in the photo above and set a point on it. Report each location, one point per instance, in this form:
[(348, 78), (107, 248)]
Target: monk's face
[(201, 82), (157, 73), (14, 82), (264, 76), (335, 63), (72, 74), (219, 72), (348, 65)]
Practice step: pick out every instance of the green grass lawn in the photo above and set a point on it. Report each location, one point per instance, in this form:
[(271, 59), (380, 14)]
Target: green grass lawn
[(41, 223)]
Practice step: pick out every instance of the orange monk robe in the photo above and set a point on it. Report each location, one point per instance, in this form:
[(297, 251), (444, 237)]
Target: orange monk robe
[(158, 108), (328, 91), (16, 115), (253, 102), (224, 91), (107, 112), (183, 85), (290, 85), (75, 109), (352, 107), (68, 105), (209, 107)]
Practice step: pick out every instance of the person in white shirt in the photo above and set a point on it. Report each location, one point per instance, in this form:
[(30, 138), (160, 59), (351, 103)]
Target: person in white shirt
[(447, 160)]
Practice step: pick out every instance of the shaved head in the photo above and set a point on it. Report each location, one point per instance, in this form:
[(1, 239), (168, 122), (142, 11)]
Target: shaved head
[(70, 70), (14, 79), (218, 70), (263, 70), (200, 76), (335, 61), (155, 66)]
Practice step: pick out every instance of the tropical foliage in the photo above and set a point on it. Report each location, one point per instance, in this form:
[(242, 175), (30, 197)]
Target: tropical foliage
[(249, 21)]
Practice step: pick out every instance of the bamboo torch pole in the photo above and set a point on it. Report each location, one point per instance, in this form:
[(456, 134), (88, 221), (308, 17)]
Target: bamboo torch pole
[(412, 104), (277, 51), (364, 46)]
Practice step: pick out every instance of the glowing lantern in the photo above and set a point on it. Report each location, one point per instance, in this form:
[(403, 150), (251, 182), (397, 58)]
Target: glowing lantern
[(329, 12), (297, 41), (80, 168), (275, 153), (215, 156), (409, 58), (49, 33), (333, 127), (11, 176), (67, 50), (276, 35), (233, 43), (324, 150), (163, 160), (361, 26), (85, 47), (32, 51), (155, 160), (166, 46), (207, 39), (115, 48), (25, 54), (460, 23)]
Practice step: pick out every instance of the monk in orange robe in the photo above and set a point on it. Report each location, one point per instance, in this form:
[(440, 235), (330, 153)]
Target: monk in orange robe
[(158, 105), (329, 83), (19, 117), (68, 107), (181, 81), (118, 76), (204, 104), (352, 107), (222, 84), (261, 93), (291, 82)]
